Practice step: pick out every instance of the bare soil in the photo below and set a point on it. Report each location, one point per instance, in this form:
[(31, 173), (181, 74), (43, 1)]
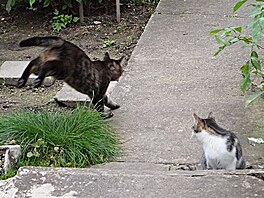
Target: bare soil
[(89, 36)]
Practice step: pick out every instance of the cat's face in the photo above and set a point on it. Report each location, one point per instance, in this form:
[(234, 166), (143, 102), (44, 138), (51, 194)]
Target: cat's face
[(115, 66), (199, 124), (200, 127)]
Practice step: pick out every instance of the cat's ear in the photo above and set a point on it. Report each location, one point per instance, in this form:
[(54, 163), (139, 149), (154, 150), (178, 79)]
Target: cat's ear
[(210, 115), (196, 117), (106, 56), (198, 120)]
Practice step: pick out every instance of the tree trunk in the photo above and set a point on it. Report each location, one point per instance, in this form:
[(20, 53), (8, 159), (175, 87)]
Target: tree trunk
[(81, 11), (118, 10)]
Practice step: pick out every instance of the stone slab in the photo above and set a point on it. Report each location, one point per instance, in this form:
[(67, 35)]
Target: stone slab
[(9, 155), (70, 97), (11, 71), (37, 182)]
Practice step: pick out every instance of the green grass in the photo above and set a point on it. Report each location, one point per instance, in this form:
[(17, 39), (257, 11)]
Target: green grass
[(9, 174), (77, 139)]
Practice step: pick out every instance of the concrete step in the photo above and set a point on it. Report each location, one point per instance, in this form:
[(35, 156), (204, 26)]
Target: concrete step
[(11, 71), (141, 180), (70, 97)]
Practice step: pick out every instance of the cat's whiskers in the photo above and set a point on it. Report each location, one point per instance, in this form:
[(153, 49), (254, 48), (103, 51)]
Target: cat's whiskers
[(192, 135)]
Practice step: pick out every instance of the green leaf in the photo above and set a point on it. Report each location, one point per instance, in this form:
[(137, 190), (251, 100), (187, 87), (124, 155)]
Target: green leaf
[(46, 3), (256, 30), (40, 142), (256, 11), (219, 50), (31, 2), (238, 29), (254, 54), (252, 98), (255, 61), (238, 5), (56, 12), (9, 5), (214, 32), (245, 83), (247, 40), (233, 40), (245, 69), (261, 86), (220, 40), (75, 19), (261, 22), (228, 31)]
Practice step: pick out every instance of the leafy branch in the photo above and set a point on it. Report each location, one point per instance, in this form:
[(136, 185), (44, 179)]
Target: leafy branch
[(226, 37)]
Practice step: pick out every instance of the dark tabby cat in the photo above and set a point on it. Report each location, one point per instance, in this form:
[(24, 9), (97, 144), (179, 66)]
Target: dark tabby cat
[(221, 148), (65, 61)]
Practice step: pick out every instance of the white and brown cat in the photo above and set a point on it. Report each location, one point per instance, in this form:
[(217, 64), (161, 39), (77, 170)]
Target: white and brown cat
[(221, 148)]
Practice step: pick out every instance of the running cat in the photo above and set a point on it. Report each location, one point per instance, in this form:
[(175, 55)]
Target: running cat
[(65, 61), (221, 148)]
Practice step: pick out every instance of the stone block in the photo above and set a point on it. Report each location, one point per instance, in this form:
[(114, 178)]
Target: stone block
[(70, 97), (11, 71), (8, 157)]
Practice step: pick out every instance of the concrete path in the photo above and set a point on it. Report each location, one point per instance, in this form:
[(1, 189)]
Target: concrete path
[(171, 74)]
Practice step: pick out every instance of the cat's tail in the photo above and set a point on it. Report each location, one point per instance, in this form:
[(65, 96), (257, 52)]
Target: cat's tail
[(52, 41)]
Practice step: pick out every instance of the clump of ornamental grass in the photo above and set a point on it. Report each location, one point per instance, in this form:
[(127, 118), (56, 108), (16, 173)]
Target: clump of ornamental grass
[(76, 139)]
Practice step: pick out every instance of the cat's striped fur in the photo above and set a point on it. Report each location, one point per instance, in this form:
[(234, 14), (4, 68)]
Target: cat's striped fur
[(65, 61)]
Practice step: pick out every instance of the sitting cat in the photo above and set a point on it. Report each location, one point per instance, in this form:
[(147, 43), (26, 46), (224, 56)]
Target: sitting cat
[(221, 148), (65, 61)]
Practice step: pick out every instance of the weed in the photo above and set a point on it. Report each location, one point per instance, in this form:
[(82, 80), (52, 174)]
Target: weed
[(108, 43), (60, 21), (9, 174)]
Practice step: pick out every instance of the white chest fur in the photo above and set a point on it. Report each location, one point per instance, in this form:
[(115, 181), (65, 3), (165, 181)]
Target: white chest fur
[(216, 153)]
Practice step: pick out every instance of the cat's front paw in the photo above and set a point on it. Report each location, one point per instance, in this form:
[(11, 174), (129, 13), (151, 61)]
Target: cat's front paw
[(111, 105), (106, 115), (21, 83), (115, 107)]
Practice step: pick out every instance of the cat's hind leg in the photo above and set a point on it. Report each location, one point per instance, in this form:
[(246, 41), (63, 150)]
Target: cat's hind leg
[(241, 164), (232, 165), (47, 69), (32, 67)]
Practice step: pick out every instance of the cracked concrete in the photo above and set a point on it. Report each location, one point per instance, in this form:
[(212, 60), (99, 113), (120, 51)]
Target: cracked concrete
[(139, 182)]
